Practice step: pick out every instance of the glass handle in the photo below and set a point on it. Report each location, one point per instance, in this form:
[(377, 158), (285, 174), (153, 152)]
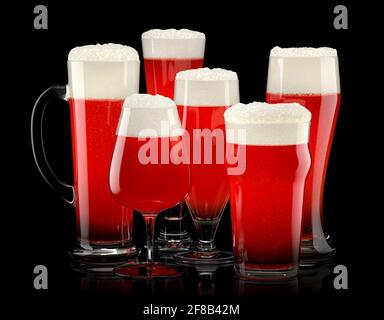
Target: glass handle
[(65, 190)]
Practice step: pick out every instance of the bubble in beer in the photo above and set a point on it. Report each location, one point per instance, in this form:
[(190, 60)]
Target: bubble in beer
[(172, 34), (103, 52), (268, 124), (302, 52)]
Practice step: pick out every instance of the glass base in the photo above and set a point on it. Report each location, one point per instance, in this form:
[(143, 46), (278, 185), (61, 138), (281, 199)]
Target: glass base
[(314, 254), (100, 255), (149, 271), (165, 246), (214, 257), (265, 275)]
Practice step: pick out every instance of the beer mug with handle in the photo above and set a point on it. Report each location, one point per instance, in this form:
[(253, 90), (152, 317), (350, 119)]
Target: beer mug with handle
[(99, 78)]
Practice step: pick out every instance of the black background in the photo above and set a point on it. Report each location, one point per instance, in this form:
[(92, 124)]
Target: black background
[(39, 226)]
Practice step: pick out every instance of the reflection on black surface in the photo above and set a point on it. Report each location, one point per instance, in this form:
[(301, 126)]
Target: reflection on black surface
[(244, 289), (200, 281), (102, 280), (311, 279), (206, 283)]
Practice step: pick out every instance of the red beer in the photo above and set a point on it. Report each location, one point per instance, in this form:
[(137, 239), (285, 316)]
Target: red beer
[(160, 73), (209, 188), (152, 187), (268, 218), (310, 76), (100, 219), (324, 109), (266, 199)]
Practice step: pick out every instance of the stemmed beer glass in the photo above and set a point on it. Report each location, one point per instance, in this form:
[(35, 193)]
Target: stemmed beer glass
[(147, 172), (202, 95)]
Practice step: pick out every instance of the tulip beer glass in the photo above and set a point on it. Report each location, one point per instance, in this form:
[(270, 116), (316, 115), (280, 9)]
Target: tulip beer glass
[(147, 172)]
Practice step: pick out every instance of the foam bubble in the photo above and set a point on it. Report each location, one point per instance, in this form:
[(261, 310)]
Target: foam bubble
[(172, 34), (267, 124), (302, 52), (206, 74), (303, 71), (173, 44), (103, 52), (145, 115), (206, 87)]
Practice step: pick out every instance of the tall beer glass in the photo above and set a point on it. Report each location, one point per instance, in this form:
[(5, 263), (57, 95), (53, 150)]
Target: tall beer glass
[(310, 76), (202, 96), (147, 172), (100, 77), (166, 52), (267, 197)]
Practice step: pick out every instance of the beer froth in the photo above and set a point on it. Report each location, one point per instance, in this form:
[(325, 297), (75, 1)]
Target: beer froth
[(267, 124), (103, 52), (302, 52), (206, 87), (173, 44), (146, 115), (103, 71), (303, 71)]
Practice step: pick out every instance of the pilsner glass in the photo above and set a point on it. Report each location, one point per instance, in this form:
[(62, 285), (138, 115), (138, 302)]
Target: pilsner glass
[(202, 96), (166, 52), (100, 77), (310, 76), (147, 173), (267, 197)]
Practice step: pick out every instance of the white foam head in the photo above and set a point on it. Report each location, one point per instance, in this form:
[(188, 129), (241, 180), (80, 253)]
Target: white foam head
[(103, 52), (267, 124), (303, 71), (206, 87), (145, 115), (103, 71), (173, 44)]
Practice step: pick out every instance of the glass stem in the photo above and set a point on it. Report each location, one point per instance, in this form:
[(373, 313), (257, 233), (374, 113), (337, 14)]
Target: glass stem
[(206, 230), (150, 225)]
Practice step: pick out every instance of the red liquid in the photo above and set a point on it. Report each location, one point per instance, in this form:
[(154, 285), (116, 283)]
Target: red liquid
[(209, 186), (100, 218), (266, 206), (160, 73), (148, 188), (324, 109)]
